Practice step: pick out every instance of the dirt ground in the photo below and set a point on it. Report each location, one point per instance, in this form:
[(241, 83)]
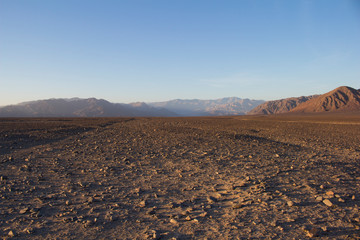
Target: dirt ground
[(276, 177)]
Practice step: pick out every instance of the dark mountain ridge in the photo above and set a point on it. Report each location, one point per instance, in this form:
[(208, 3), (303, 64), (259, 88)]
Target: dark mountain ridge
[(92, 107), (76, 107)]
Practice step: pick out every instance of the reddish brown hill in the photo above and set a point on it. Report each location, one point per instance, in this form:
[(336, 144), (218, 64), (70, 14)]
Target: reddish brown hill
[(340, 99), (279, 106)]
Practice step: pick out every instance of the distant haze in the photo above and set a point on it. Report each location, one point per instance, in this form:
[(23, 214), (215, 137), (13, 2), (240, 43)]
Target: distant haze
[(218, 107)]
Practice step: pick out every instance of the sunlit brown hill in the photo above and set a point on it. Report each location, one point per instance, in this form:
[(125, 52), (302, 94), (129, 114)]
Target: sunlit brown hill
[(279, 106), (342, 99)]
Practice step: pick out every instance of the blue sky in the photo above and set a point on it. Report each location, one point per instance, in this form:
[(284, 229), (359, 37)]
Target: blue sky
[(156, 50)]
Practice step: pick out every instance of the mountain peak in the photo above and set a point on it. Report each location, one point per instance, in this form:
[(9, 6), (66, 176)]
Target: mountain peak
[(343, 98), (340, 99)]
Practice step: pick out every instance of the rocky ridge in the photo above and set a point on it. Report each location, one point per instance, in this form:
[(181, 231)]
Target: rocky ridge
[(279, 106), (340, 99)]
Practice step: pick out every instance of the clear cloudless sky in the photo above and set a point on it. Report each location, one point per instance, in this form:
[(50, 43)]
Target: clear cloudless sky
[(156, 50)]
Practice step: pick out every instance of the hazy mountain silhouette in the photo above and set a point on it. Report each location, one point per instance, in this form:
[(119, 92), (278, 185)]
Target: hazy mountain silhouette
[(76, 107), (279, 106), (341, 99), (218, 107), (92, 107)]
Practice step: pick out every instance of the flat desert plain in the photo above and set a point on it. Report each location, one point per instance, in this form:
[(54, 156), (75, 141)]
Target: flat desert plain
[(258, 177)]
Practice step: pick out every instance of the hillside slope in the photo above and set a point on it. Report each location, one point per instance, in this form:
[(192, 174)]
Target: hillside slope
[(344, 99), (279, 106)]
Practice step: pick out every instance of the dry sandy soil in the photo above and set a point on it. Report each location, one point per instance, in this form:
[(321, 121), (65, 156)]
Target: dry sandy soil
[(275, 177)]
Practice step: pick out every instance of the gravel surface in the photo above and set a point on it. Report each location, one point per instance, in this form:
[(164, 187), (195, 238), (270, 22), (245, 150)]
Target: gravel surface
[(284, 177)]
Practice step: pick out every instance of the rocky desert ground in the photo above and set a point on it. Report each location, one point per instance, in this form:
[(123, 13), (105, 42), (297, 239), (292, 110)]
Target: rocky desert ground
[(246, 177)]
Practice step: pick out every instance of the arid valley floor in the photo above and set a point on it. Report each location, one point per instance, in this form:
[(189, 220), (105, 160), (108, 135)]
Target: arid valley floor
[(274, 177)]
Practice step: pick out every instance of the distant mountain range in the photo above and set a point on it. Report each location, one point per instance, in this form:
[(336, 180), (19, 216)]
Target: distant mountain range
[(218, 107), (341, 99), (92, 107), (76, 107)]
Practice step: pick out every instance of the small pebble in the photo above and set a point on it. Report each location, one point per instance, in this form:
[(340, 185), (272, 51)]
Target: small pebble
[(330, 193), (142, 204), (173, 221), (319, 199), (155, 234), (24, 210), (327, 202), (313, 232), (11, 233)]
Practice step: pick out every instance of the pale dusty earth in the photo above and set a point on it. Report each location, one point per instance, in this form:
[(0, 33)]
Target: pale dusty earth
[(279, 177)]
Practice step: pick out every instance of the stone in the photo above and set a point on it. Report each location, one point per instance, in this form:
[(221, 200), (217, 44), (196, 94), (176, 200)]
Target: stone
[(319, 199), (24, 210), (290, 203), (173, 221), (11, 233), (330, 193), (155, 234), (314, 232), (327, 202), (142, 204)]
